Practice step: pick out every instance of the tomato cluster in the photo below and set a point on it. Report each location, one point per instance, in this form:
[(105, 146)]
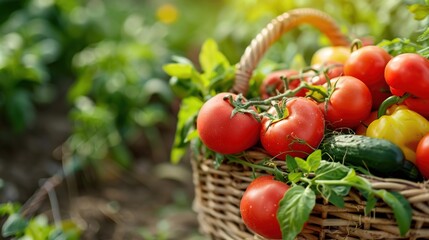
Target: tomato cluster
[(344, 90)]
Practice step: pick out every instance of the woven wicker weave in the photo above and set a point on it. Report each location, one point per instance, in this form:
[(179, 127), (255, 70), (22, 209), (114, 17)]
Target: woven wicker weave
[(218, 191)]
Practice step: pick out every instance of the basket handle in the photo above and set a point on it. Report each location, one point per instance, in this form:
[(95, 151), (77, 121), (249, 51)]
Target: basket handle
[(273, 31)]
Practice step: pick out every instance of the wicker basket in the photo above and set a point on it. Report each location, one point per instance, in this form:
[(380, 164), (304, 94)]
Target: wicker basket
[(218, 191)]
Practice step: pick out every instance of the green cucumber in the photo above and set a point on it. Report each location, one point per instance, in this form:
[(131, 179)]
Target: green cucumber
[(408, 171), (378, 156)]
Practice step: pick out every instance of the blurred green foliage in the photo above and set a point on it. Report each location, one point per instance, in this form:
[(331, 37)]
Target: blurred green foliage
[(37, 228), (111, 55), (113, 52)]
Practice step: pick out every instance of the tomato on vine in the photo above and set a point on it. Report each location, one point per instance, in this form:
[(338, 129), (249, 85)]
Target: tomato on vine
[(294, 128), (259, 205), (349, 103), (222, 132)]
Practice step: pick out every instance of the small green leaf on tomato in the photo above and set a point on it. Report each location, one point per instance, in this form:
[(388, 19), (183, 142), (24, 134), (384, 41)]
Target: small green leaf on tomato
[(294, 210)]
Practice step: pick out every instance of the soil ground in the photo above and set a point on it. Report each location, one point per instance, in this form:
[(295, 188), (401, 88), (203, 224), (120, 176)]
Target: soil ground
[(152, 200)]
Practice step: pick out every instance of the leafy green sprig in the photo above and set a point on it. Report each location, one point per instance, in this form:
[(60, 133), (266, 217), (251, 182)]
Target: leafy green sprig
[(194, 86), (331, 180), (418, 45)]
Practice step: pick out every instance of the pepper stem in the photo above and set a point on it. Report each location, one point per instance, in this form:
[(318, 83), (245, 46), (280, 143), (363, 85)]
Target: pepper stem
[(388, 102)]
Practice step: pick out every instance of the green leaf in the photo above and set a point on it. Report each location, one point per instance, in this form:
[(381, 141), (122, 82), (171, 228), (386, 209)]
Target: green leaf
[(122, 155), (398, 46), (400, 206), (302, 164), (420, 11), (294, 176), (219, 158), (210, 57), (329, 193), (179, 70), (185, 126), (14, 226), (182, 60), (424, 36), (291, 164), (362, 184), (294, 210), (9, 208), (19, 109), (331, 171), (336, 200), (82, 86), (314, 159), (38, 228), (370, 203)]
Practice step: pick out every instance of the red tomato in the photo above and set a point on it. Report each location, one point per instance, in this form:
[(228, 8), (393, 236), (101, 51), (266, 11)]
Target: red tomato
[(297, 134), (367, 64), (330, 54), (273, 83), (259, 205), (379, 92), (418, 105), (349, 104), (363, 126), (225, 134), (408, 72), (422, 156)]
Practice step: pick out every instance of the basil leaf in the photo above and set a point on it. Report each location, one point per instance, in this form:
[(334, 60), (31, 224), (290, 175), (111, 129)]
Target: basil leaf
[(210, 57), (219, 158), (370, 203), (302, 164), (185, 126), (335, 193), (420, 11), (179, 70), (400, 206), (331, 171), (314, 160), (336, 200), (14, 225), (294, 210), (294, 177), (291, 164)]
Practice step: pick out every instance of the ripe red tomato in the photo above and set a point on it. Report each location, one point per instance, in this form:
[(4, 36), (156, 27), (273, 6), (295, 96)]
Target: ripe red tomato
[(259, 205), (408, 72), (367, 64), (330, 54), (273, 82), (379, 92), (422, 156), (225, 134), (349, 104), (418, 105), (297, 134), (363, 126)]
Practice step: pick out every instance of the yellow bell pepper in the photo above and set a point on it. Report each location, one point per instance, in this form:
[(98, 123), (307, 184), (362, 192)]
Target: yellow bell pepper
[(401, 126)]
